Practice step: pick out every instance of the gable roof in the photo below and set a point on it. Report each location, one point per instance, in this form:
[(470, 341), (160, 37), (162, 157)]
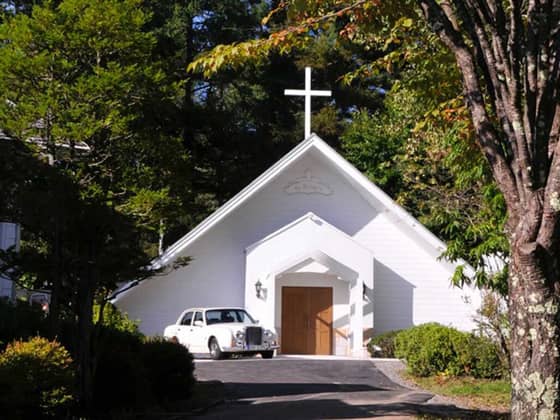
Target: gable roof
[(350, 172), (309, 216), (316, 232)]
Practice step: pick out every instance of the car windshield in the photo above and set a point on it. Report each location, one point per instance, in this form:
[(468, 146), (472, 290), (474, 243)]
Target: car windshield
[(219, 316)]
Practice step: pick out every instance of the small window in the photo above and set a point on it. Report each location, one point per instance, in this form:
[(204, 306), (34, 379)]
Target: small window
[(212, 317), (187, 318), (198, 316)]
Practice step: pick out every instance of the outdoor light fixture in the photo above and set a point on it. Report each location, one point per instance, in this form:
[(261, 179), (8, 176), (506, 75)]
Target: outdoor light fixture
[(259, 289)]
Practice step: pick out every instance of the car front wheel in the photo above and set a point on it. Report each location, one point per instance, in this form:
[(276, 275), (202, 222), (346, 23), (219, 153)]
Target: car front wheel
[(214, 348), (267, 354)]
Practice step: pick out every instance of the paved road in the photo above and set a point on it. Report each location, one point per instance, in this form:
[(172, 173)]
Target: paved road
[(289, 388)]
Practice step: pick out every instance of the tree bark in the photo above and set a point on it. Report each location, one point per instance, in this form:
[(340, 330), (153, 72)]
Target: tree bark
[(85, 365), (85, 332), (534, 316), (57, 278)]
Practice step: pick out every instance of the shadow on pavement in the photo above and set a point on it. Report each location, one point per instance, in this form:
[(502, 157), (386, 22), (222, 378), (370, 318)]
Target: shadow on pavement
[(260, 390), (337, 409)]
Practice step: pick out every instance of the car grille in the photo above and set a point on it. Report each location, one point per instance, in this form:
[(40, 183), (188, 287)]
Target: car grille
[(253, 335)]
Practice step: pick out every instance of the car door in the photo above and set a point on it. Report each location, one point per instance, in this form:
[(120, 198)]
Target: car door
[(198, 334), (184, 329)]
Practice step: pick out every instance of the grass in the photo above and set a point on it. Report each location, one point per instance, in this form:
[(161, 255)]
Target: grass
[(474, 393)]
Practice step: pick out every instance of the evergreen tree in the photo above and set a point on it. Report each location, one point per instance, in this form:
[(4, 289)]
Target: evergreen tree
[(73, 88)]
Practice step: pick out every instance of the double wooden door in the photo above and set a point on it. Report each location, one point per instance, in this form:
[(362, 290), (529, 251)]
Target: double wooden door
[(307, 320)]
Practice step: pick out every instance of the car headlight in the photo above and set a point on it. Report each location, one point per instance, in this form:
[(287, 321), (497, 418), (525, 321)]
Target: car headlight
[(239, 335), (268, 333)]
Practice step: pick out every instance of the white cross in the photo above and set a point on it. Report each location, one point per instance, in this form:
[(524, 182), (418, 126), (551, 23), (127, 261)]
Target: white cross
[(308, 93)]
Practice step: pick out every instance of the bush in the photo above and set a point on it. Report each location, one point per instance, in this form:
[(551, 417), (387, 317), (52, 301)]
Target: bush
[(133, 372), (487, 361), (36, 379), (431, 349), (115, 319), (119, 377), (428, 349), (169, 368), (385, 341)]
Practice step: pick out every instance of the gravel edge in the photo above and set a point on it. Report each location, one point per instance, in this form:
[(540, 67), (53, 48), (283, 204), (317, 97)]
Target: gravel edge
[(393, 369)]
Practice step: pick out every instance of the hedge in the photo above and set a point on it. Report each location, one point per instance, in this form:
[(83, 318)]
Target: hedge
[(431, 349)]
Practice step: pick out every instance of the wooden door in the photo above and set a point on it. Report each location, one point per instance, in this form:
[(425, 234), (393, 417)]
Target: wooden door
[(307, 320)]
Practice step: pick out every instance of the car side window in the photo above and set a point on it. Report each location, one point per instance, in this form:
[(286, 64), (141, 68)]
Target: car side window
[(187, 318), (198, 316), (212, 317)]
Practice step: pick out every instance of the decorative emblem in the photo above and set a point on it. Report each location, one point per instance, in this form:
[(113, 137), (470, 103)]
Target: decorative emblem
[(308, 184)]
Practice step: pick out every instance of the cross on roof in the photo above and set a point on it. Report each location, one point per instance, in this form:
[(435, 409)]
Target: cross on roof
[(308, 93)]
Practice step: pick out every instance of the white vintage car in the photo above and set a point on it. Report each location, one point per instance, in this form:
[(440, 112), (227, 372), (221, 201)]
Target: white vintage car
[(222, 332)]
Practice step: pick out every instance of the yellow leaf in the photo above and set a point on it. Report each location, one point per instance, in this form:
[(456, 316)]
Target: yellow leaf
[(407, 23)]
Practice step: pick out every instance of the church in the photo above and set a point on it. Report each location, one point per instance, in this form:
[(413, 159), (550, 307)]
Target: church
[(310, 247)]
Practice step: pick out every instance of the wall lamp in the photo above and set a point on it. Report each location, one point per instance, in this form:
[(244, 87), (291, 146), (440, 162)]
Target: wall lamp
[(259, 289)]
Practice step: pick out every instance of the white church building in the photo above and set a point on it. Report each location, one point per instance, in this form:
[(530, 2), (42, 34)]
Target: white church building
[(9, 237), (310, 248)]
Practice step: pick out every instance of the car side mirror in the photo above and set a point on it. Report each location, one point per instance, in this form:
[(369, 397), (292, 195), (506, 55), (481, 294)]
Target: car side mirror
[(257, 321), (198, 323)]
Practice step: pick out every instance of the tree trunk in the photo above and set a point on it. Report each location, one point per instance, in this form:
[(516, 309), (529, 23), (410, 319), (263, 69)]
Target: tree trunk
[(534, 316), (57, 278), (85, 332), (85, 329), (54, 310)]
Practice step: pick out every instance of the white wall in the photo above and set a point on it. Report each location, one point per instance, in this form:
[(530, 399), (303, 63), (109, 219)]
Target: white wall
[(9, 236), (411, 286)]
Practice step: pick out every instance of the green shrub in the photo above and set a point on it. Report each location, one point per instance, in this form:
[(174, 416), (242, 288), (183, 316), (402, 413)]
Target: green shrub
[(431, 349), (36, 379), (428, 349), (115, 319), (119, 377), (169, 368), (487, 361), (385, 341), (133, 372)]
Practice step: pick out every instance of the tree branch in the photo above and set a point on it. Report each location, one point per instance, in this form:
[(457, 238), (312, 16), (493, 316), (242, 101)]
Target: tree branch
[(488, 138), (548, 234)]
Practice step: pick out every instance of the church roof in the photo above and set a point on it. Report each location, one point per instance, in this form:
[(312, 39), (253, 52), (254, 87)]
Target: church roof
[(370, 191)]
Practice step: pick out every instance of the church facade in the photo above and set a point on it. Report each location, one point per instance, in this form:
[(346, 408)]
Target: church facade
[(314, 250)]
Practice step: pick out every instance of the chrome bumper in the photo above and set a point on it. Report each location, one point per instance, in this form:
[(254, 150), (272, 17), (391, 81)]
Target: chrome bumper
[(251, 348)]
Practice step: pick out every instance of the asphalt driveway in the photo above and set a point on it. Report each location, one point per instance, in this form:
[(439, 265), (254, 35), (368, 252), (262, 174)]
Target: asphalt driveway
[(297, 388)]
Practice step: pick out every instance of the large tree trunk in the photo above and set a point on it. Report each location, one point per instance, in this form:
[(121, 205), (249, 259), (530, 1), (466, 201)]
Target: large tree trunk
[(534, 316), (57, 278), (85, 365), (85, 332)]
